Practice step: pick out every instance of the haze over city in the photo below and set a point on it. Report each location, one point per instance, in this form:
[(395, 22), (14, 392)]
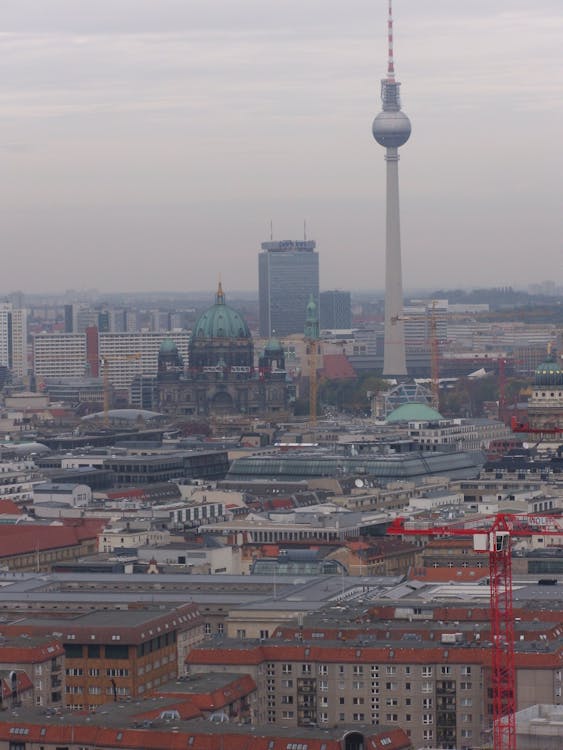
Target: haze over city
[(148, 145)]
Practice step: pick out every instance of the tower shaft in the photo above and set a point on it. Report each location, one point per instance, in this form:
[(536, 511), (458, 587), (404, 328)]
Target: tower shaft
[(394, 358)]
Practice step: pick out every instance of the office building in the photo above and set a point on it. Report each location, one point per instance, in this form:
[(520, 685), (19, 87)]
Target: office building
[(288, 274), (335, 310), (127, 355), (13, 339), (391, 129)]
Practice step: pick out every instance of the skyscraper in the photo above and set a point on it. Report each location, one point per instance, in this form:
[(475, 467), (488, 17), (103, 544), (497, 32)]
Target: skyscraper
[(391, 129), (13, 339), (336, 309), (288, 274)]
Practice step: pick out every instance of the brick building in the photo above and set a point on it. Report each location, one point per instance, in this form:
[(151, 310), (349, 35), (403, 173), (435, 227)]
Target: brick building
[(122, 654)]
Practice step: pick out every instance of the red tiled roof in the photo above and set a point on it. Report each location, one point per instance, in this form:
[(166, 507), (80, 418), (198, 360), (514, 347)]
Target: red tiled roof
[(221, 697), (337, 367), (9, 507), (96, 736), (26, 538), (11, 653), (23, 683), (445, 574), (449, 654)]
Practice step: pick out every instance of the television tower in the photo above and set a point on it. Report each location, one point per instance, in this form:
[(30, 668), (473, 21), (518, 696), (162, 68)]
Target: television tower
[(391, 129)]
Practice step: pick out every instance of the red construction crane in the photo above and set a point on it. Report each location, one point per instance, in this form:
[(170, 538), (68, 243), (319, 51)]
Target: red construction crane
[(517, 426), (495, 539)]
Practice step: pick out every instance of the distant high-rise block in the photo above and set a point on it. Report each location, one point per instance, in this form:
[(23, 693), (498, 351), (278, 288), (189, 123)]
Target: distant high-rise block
[(336, 309), (288, 274), (13, 339)]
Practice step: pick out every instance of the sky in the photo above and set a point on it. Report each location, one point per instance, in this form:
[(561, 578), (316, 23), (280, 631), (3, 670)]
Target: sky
[(148, 144)]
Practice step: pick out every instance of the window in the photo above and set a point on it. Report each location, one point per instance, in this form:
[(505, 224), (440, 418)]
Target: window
[(287, 700), (323, 717), (264, 634), (357, 685), (287, 714), (427, 671), (427, 703), (392, 702), (117, 652), (287, 668), (466, 671), (285, 683), (241, 634), (467, 718), (391, 717), (323, 670), (427, 719), (391, 685), (446, 670), (306, 668), (427, 735), (391, 670), (357, 701), (465, 685), (323, 685), (358, 669), (358, 717)]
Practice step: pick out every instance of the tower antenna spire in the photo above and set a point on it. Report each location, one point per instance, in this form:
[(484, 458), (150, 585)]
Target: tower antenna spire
[(390, 60)]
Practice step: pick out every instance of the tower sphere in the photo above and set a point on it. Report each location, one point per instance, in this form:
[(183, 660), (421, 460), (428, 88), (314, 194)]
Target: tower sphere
[(391, 129)]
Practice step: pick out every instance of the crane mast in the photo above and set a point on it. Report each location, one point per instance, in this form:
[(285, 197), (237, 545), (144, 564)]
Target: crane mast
[(495, 539)]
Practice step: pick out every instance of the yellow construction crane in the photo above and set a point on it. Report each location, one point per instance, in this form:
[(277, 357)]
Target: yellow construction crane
[(106, 359)]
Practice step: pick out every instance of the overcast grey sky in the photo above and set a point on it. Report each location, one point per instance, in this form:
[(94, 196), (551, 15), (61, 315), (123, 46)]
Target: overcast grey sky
[(146, 144)]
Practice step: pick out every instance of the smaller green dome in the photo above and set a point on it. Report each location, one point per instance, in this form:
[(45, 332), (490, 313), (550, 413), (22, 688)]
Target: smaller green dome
[(168, 346), (414, 412)]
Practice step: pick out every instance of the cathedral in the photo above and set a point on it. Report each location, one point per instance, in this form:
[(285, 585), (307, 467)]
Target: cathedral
[(221, 377), (545, 407)]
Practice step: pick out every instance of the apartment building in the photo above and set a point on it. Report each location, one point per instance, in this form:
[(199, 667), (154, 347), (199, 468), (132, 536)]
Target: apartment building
[(127, 354), (120, 655), (430, 680), (31, 672)]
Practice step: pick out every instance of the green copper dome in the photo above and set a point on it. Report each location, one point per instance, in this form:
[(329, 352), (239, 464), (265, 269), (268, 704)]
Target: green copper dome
[(549, 372), (220, 322), (414, 412)]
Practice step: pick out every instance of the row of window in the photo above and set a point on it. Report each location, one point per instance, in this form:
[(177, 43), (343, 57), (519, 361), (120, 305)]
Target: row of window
[(359, 669)]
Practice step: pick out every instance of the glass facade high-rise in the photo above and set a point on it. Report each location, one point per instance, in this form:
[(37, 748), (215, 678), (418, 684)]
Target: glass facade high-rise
[(336, 309), (288, 274)]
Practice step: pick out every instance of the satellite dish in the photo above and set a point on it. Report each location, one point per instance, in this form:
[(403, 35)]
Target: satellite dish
[(359, 482)]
